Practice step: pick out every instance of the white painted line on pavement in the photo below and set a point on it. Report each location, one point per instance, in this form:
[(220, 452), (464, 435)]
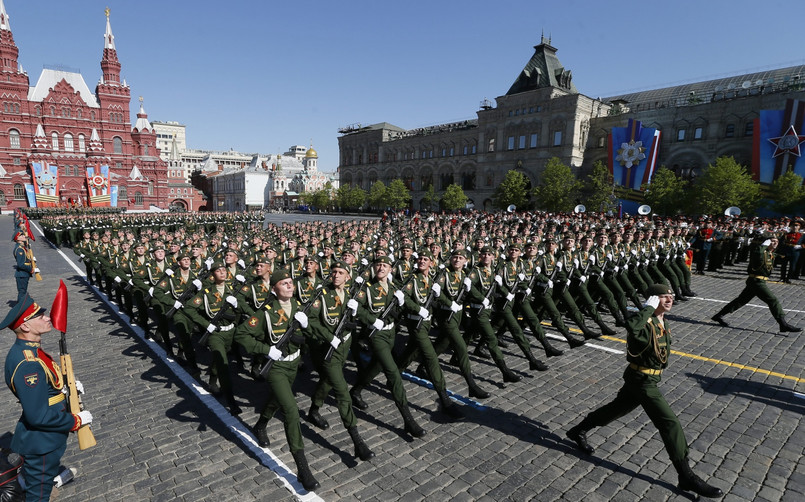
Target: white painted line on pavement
[(241, 431), (747, 305), (797, 394)]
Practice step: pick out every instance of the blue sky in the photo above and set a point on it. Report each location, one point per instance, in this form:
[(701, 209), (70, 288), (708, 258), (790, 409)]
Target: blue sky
[(260, 76)]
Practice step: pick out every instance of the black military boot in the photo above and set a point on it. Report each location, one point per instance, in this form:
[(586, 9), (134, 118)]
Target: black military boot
[(784, 326), (619, 318), (449, 408), (475, 390), (508, 375), (261, 433), (720, 320), (534, 363), (234, 408), (304, 475), (550, 350), (215, 389), (606, 330), (481, 351), (678, 296), (690, 482), (578, 435), (572, 340), (357, 400), (362, 451), (688, 292), (411, 427), (315, 418), (588, 333)]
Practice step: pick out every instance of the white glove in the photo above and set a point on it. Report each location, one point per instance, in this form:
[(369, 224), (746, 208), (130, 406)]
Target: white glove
[(209, 261), (467, 283), (79, 386), (352, 305), (321, 254), (653, 301), (415, 255), (301, 318), (423, 313), (242, 263), (623, 254), (131, 283), (537, 270), (82, 256), (455, 307), (766, 242), (400, 296), (378, 324), (240, 278), (550, 283), (499, 280), (527, 291), (559, 265), (274, 353), (437, 290), (609, 255), (117, 279), (521, 276), (169, 272), (616, 269), (486, 303), (211, 328), (661, 244), (151, 291), (656, 257), (232, 301), (510, 297), (364, 262), (85, 417), (626, 267), (36, 270), (645, 263), (798, 246), (197, 284), (541, 252), (592, 259), (359, 280), (583, 279), (177, 305), (389, 326), (575, 262)]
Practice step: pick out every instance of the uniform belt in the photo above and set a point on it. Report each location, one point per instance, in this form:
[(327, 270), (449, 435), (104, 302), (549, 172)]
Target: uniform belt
[(647, 371), (478, 305), (226, 327), (765, 278), (56, 399), (290, 357), (414, 317)]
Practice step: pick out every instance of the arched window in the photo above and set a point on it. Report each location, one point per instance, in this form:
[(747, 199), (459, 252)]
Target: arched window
[(138, 198), (118, 144), (2, 198), (150, 188), (14, 138), (19, 192), (68, 142), (55, 140), (82, 147)]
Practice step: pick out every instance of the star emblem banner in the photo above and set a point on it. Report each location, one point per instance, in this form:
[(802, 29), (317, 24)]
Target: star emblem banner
[(778, 142), (633, 154)]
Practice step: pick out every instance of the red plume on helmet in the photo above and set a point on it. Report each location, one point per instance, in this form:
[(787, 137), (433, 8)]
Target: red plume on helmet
[(58, 311)]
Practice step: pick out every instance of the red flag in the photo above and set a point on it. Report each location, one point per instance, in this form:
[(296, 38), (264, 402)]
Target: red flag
[(58, 311), (28, 229)]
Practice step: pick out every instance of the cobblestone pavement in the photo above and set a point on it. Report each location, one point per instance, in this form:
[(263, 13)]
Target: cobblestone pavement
[(739, 393)]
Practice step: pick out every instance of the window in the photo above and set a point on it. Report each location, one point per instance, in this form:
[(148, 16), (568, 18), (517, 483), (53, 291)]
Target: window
[(17, 161), (510, 143), (150, 188), (118, 144), (749, 129), (55, 140), (492, 145), (138, 199), (557, 138), (68, 143), (444, 152), (698, 133), (475, 148), (82, 147), (171, 191), (680, 135), (602, 141), (14, 138), (465, 149), (533, 143), (122, 193), (452, 151), (521, 144), (19, 192), (730, 131), (2, 198)]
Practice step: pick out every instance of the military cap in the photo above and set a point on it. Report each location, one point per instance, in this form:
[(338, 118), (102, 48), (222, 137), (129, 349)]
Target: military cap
[(658, 290), (158, 245), (139, 244), (459, 252), (261, 258), (21, 312), (280, 275), (488, 249), (326, 244), (406, 245), (183, 254), (515, 245), (426, 254), (216, 265), (17, 235), (348, 251), (340, 264), (382, 259), (311, 257)]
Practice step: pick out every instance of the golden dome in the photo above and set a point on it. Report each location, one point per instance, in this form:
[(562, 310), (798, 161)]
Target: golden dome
[(311, 154)]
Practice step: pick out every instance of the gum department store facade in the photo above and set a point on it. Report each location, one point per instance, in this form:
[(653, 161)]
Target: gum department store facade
[(543, 115)]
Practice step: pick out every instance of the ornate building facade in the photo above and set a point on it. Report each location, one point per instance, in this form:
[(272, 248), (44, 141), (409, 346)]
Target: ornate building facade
[(543, 115), (74, 133)]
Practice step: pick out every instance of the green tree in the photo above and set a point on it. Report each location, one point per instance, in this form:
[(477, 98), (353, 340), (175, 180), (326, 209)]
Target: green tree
[(349, 197), (558, 188), (430, 198), (454, 198), (598, 188), (787, 193), (666, 193), (513, 190), (397, 195), (723, 184), (320, 199), (377, 195)]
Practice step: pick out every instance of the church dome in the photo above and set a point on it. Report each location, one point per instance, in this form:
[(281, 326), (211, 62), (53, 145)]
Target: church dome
[(311, 154)]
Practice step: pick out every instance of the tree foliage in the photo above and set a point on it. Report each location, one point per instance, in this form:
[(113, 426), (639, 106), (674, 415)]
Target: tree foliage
[(349, 197), (454, 198), (513, 190), (377, 195), (787, 193), (430, 198), (666, 193), (397, 195), (558, 188), (724, 184), (598, 188)]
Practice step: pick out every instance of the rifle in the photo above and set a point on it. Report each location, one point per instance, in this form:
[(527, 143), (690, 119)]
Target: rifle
[(59, 319), (149, 294), (551, 278), (489, 293), (459, 299), (431, 296), (342, 323), (390, 306), (30, 253), (188, 293), (217, 317), (286, 337)]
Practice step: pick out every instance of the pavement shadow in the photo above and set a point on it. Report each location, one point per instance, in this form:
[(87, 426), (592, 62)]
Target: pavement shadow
[(770, 395)]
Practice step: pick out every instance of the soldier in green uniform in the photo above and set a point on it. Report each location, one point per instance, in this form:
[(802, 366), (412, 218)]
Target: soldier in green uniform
[(167, 294), (648, 344), (261, 335), (761, 265)]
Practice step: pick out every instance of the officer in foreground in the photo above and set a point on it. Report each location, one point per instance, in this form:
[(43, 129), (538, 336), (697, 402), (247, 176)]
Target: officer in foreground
[(648, 347)]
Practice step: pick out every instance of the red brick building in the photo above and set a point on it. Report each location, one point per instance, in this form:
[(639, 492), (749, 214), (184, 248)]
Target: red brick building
[(54, 132)]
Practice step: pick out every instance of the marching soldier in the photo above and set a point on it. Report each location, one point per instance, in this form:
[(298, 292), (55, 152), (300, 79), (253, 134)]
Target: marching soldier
[(168, 294)]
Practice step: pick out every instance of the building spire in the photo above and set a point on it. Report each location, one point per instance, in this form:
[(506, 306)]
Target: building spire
[(108, 38), (4, 18), (110, 66)]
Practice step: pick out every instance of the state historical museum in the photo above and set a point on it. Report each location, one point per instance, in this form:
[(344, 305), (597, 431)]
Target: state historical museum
[(61, 144)]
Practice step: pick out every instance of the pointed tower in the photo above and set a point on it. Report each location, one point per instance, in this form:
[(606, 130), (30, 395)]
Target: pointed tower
[(12, 75), (109, 64), (311, 158), (114, 98), (543, 70), (143, 135)]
